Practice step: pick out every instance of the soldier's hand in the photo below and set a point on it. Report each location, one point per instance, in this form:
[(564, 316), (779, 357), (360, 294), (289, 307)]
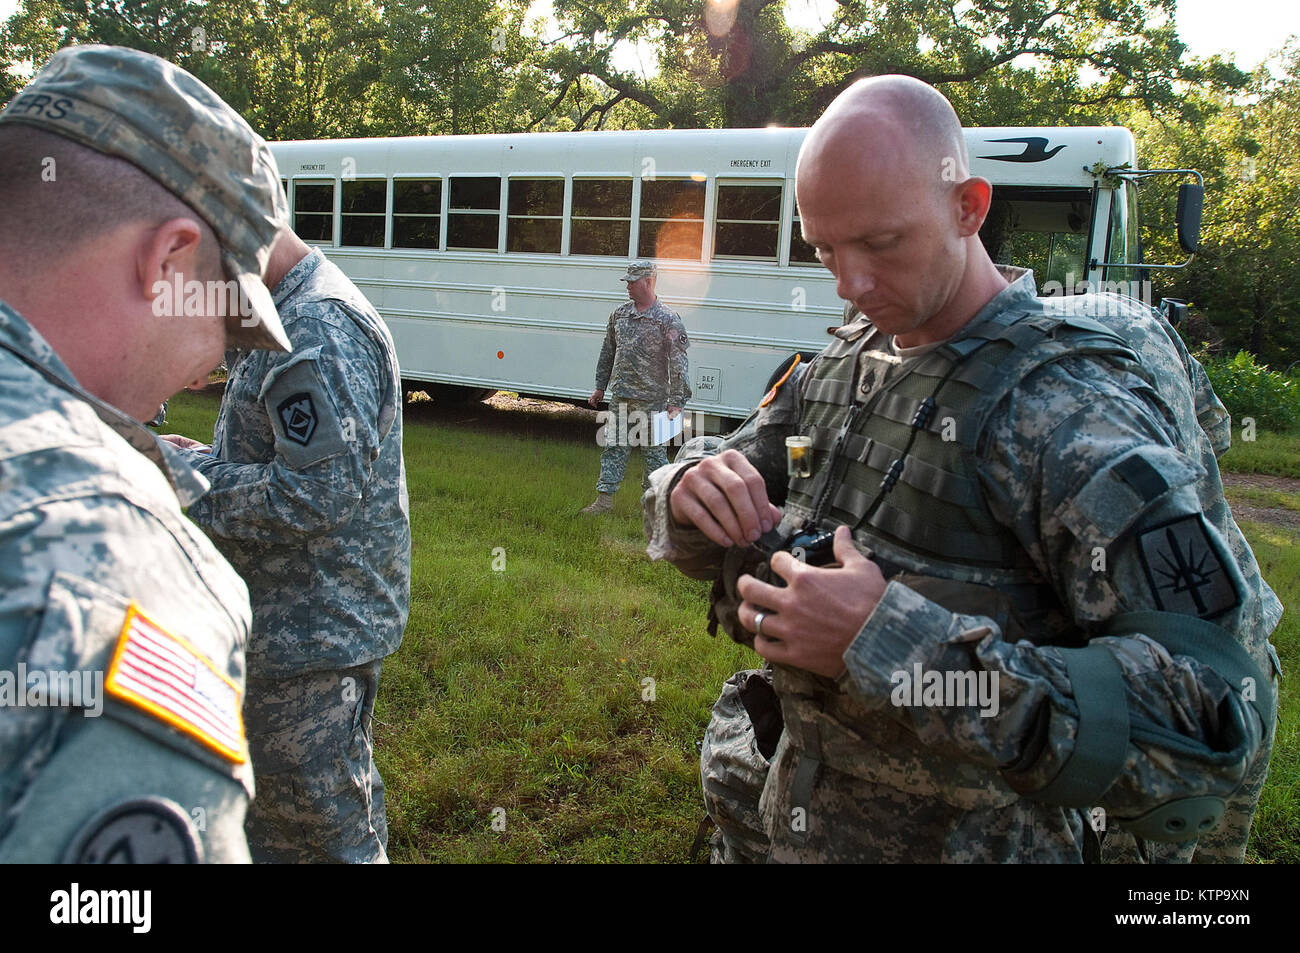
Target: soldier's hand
[(809, 623), (673, 412), (725, 498), (596, 397), (184, 443)]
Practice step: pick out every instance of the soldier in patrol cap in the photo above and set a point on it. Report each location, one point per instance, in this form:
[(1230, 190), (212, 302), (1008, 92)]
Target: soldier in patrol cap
[(122, 630), (1019, 504), (308, 501), (644, 354)]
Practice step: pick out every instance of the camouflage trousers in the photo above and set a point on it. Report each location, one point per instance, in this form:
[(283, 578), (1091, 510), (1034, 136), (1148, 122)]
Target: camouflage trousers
[(319, 797), (628, 426), (835, 817)]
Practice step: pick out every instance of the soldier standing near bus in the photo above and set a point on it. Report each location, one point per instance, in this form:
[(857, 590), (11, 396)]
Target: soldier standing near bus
[(645, 356), (309, 503), (121, 177)]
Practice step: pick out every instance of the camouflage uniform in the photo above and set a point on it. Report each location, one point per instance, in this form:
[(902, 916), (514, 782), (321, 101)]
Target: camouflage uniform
[(1165, 355), (103, 582), (89, 526), (1086, 454), (309, 503), (645, 355)]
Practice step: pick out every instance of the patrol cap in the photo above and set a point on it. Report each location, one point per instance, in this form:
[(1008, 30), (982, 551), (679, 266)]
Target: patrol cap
[(640, 268), (154, 114)]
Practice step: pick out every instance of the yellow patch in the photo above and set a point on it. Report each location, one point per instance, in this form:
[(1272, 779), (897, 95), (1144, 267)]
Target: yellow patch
[(164, 675)]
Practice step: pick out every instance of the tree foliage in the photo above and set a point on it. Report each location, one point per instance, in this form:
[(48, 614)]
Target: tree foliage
[(335, 68), (738, 63), (1247, 274)]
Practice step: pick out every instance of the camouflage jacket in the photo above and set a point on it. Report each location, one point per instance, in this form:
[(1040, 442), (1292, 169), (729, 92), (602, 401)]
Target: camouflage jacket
[(1046, 465), (99, 574), (308, 498), (644, 356)]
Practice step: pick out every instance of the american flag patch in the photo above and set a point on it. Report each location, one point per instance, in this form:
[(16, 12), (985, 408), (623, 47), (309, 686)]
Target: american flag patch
[(164, 675)]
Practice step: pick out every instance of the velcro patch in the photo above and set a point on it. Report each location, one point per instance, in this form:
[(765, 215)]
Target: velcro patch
[(164, 675), (1145, 479), (1185, 570), (298, 416)]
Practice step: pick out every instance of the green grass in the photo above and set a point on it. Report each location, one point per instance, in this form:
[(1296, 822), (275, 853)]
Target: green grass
[(1275, 453), (522, 689), (1275, 836)]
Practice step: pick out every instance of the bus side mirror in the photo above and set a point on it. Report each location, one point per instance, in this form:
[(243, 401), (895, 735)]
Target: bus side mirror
[(1191, 197), (1174, 310)]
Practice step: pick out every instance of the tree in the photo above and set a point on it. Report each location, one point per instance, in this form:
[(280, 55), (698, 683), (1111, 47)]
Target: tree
[(317, 68), (738, 63), (1248, 268)]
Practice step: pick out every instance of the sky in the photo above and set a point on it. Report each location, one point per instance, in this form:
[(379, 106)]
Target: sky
[(1250, 30)]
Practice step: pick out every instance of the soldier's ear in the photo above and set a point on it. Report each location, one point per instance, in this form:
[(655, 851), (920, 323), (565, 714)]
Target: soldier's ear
[(168, 256), (972, 199)]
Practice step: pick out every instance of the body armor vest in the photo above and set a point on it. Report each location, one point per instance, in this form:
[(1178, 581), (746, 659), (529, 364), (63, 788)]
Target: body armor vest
[(895, 459)]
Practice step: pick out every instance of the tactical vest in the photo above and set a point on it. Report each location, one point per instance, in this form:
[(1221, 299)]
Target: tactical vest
[(897, 463)]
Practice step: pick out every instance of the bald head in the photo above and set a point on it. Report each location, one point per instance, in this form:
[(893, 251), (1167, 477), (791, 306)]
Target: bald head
[(897, 119), (887, 200)]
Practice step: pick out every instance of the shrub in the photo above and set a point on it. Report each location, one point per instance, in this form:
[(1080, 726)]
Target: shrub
[(1248, 389)]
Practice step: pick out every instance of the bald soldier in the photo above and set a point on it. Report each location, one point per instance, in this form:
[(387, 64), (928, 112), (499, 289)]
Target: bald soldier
[(1033, 623), (122, 630)]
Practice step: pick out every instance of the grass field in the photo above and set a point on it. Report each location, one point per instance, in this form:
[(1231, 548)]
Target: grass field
[(520, 696)]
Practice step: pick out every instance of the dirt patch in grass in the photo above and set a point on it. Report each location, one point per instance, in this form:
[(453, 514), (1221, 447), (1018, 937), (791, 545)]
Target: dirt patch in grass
[(1272, 515)]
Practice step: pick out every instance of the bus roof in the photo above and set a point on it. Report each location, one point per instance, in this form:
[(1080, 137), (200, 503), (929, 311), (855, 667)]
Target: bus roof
[(1029, 156)]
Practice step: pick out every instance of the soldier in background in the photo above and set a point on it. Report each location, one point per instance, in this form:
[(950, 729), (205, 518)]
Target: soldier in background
[(122, 177), (644, 354), (309, 503), (1014, 498)]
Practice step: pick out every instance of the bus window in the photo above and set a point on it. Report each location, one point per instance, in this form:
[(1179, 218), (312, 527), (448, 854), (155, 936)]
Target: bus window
[(535, 215), (601, 219), (363, 208), (1044, 229), (475, 212), (417, 212), (1123, 243), (748, 221), (672, 219), (313, 215), (801, 253)]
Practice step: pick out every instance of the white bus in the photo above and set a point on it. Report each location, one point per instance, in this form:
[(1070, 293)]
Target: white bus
[(495, 259)]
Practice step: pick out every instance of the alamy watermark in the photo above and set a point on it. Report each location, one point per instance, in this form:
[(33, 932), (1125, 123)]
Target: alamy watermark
[(52, 688), (218, 299), (931, 688), (1110, 295), (621, 427)]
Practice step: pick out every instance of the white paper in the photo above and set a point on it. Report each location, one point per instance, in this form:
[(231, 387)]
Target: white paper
[(663, 429)]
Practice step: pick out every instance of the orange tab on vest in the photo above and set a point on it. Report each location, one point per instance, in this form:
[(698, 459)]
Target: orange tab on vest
[(771, 395), (164, 675)]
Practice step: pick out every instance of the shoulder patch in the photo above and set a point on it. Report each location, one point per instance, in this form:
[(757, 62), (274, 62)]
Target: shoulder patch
[(771, 394), (150, 830), (164, 675), (297, 414), (1184, 569)]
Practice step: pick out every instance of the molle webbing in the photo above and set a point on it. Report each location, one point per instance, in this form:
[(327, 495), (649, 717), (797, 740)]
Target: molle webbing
[(928, 499)]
